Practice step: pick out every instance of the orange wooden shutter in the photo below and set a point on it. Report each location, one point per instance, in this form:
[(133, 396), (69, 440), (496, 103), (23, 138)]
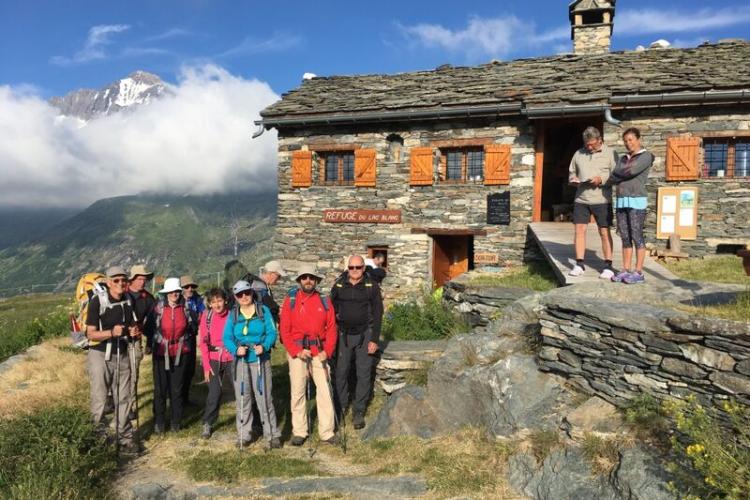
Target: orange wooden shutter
[(302, 169), (364, 167), (496, 164), (682, 158), (421, 167)]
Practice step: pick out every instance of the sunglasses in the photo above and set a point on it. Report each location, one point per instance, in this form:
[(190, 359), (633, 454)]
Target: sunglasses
[(307, 277), (190, 287), (119, 280), (351, 268), (242, 293)]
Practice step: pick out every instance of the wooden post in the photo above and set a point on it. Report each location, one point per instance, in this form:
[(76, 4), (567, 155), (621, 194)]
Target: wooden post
[(536, 214)]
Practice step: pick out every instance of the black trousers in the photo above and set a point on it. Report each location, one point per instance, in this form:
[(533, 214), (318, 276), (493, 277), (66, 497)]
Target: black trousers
[(189, 360), (353, 349), (168, 384), (215, 381)]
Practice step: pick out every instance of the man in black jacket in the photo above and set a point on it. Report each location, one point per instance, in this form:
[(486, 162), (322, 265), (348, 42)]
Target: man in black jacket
[(269, 276), (143, 306), (359, 313)]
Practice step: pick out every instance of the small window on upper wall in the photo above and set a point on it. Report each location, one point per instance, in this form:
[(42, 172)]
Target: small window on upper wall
[(725, 157), (337, 168), (462, 165)]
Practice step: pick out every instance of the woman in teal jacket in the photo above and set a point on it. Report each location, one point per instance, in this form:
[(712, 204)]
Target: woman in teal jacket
[(249, 335)]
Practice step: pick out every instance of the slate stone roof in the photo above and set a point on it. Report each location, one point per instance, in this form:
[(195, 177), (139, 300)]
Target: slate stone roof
[(545, 81)]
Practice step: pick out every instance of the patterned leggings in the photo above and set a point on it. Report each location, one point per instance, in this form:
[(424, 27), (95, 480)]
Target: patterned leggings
[(630, 223)]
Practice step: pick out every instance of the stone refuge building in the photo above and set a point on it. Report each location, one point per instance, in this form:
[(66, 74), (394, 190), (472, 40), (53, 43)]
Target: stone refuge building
[(405, 163)]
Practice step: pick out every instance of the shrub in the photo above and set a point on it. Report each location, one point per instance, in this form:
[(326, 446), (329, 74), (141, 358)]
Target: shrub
[(647, 416), (716, 445), (428, 319), (54, 454), (19, 335)]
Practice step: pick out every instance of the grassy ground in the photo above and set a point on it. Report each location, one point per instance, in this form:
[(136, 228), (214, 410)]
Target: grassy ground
[(536, 276), (26, 320), (717, 269)]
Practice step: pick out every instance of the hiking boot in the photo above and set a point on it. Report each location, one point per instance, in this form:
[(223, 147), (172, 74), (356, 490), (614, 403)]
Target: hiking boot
[(607, 274), (206, 431), (576, 271), (130, 450), (358, 420), (274, 444), (297, 441), (333, 440), (620, 277), (634, 278)]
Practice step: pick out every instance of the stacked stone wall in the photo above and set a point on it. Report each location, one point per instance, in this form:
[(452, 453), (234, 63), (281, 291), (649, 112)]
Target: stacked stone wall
[(619, 351)]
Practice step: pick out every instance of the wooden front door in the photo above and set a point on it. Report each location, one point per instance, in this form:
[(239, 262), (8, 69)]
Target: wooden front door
[(450, 258)]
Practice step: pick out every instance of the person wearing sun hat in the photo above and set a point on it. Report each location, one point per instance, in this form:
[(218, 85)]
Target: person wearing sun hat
[(108, 364), (170, 347), (308, 332), (143, 305), (195, 307)]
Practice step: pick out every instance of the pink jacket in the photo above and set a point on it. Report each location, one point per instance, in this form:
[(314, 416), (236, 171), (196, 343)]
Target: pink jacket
[(214, 337)]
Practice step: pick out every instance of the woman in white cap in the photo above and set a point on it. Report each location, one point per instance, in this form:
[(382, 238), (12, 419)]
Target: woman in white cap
[(249, 335), (170, 346)]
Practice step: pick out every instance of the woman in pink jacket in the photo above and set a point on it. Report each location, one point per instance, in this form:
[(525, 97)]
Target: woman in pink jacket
[(217, 361)]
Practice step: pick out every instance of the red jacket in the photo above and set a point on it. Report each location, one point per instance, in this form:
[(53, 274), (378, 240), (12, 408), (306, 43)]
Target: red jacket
[(174, 325), (308, 318)]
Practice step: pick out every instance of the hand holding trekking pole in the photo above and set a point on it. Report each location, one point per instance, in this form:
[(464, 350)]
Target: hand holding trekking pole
[(258, 349), (304, 354), (242, 351), (117, 330), (135, 331)]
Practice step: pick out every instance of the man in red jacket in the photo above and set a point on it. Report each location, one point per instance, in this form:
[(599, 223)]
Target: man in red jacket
[(308, 332)]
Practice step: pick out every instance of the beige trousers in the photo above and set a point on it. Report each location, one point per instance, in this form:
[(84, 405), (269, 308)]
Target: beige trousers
[(323, 397)]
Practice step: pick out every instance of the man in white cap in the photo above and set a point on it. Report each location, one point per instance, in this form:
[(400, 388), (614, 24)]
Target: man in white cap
[(269, 276), (109, 323)]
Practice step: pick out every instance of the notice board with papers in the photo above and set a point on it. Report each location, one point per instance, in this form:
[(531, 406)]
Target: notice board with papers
[(677, 212)]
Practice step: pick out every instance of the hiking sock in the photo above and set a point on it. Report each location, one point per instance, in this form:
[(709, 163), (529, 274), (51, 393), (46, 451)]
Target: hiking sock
[(579, 262)]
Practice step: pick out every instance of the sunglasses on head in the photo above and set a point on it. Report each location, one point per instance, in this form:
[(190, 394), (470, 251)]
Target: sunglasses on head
[(351, 268), (242, 293), (119, 280)]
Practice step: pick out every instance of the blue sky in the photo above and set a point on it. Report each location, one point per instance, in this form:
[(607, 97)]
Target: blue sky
[(59, 46)]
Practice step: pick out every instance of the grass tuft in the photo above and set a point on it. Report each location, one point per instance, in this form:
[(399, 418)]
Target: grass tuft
[(537, 276), (716, 269), (544, 442), (427, 319), (602, 453), (231, 466)]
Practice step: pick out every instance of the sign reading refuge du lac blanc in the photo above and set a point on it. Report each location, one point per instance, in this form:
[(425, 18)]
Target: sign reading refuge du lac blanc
[(362, 216)]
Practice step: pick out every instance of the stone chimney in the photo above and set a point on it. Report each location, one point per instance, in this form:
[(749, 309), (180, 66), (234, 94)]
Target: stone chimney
[(591, 23)]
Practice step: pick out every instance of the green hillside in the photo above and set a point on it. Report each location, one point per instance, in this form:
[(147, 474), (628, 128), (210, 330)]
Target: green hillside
[(173, 235)]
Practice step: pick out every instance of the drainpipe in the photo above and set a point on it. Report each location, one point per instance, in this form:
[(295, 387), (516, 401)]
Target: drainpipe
[(259, 130), (682, 97), (611, 119)]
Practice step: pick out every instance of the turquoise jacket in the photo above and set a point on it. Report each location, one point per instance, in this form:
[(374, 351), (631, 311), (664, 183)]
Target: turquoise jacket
[(258, 332)]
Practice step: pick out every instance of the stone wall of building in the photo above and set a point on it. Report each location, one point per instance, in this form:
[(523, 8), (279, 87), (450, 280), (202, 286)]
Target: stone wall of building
[(301, 234), (723, 203), (619, 351)]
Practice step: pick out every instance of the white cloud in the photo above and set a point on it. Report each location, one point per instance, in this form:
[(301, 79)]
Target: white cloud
[(278, 42), (484, 37), (94, 48), (195, 141), (170, 33), (650, 21)]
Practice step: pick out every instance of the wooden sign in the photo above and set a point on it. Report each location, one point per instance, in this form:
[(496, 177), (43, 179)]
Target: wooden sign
[(677, 212), (498, 208), (362, 216), (486, 258)]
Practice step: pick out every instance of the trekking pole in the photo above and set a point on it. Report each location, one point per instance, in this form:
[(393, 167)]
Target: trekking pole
[(133, 372), (117, 400), (340, 422), (242, 402)]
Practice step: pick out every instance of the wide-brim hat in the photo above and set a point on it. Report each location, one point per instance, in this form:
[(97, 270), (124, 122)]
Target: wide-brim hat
[(274, 266), (308, 269), (140, 270), (171, 285), (116, 271), (187, 280)]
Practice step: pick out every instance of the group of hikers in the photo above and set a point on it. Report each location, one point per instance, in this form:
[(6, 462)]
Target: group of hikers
[(593, 171), (235, 331)]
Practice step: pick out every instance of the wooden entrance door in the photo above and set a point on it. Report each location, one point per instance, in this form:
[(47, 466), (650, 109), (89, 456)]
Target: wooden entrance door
[(450, 258)]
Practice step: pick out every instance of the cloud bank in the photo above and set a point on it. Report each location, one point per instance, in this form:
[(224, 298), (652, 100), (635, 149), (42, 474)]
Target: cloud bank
[(195, 141)]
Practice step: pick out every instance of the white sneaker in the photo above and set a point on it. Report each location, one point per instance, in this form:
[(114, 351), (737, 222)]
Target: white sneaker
[(607, 274), (576, 271)]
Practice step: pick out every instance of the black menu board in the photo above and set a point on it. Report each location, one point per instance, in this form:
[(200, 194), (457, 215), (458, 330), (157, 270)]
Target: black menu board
[(498, 208)]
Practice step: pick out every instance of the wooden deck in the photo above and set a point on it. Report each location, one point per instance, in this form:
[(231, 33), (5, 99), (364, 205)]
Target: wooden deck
[(556, 241)]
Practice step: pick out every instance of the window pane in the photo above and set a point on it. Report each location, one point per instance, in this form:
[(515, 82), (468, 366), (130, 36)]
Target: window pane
[(476, 165), (454, 166), (716, 159), (348, 168), (332, 168), (742, 159)]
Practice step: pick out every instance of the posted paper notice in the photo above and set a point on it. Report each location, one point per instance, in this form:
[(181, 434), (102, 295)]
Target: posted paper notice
[(686, 216), (667, 223), (670, 204)]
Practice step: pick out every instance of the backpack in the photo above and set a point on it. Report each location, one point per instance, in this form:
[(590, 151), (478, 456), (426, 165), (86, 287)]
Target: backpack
[(91, 285), (293, 298)]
